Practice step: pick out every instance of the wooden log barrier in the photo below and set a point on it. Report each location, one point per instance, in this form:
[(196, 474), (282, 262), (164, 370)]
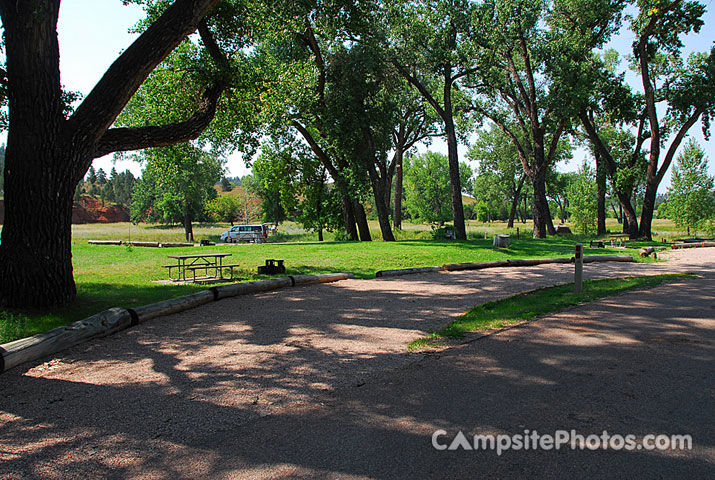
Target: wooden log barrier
[(143, 244), (452, 267), (60, 338), (104, 242), (607, 258), (678, 246), (176, 244), (531, 262), (175, 305), (407, 271), (692, 245), (116, 319), (234, 289), (321, 278)]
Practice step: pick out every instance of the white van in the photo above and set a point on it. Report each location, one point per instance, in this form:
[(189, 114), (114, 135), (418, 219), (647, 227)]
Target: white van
[(247, 233)]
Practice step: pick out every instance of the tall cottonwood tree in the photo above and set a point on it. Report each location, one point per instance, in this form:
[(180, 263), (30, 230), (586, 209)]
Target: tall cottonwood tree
[(525, 77), (432, 46), (685, 91), (296, 61), (49, 150)]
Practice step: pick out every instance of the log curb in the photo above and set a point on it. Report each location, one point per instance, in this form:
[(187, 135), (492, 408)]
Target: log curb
[(528, 262), (677, 246), (117, 319)]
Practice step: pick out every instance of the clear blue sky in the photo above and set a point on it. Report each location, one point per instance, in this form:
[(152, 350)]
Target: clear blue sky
[(92, 33)]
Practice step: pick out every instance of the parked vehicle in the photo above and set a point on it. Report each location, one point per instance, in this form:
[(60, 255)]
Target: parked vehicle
[(247, 233)]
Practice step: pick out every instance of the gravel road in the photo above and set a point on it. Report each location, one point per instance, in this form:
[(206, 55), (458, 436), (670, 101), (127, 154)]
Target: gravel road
[(166, 399)]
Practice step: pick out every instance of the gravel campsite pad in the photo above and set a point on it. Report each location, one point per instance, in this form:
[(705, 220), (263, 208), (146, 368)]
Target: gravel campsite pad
[(160, 388)]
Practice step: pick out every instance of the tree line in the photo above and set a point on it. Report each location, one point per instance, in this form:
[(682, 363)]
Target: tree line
[(357, 83)]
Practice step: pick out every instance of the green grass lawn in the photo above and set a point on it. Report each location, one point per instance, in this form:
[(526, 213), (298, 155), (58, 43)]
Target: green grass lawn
[(121, 276), (526, 306)]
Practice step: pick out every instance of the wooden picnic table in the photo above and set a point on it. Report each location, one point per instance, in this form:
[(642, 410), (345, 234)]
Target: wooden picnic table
[(622, 238), (206, 262)]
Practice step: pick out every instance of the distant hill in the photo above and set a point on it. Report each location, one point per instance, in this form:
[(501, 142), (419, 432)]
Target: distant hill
[(90, 210)]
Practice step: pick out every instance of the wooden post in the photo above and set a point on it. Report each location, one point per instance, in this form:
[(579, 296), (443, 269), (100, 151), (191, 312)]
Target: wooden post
[(578, 273)]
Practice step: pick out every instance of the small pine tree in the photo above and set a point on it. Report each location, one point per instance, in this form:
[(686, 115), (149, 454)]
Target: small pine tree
[(226, 185), (92, 175)]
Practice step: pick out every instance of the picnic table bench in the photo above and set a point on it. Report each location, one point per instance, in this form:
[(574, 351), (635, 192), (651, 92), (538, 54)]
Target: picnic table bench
[(622, 238), (204, 262)]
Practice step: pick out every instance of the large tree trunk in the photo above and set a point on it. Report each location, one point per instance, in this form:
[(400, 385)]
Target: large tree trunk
[(397, 202), (542, 217), (188, 227), (651, 191), (349, 217), (383, 213), (601, 203), (455, 183), (47, 155), (361, 219), (35, 253), (630, 220)]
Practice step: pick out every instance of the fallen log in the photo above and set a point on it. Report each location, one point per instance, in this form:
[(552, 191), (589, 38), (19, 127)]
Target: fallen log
[(104, 242), (60, 338), (175, 244), (407, 271), (175, 305), (646, 251)]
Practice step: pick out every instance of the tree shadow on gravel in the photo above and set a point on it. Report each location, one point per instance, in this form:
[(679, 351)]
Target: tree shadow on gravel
[(315, 381)]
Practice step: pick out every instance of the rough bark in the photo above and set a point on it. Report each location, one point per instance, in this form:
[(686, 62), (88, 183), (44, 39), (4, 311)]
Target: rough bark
[(630, 219), (397, 202), (446, 113), (349, 217), (383, 213), (188, 228), (361, 219), (47, 154), (454, 180), (541, 206), (630, 222), (601, 201), (515, 202)]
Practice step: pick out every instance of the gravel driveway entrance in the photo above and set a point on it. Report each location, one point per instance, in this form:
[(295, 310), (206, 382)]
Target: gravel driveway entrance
[(157, 391)]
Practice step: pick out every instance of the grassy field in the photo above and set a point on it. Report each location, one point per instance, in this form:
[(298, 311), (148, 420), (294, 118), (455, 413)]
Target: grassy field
[(526, 306), (123, 276), (291, 232)]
